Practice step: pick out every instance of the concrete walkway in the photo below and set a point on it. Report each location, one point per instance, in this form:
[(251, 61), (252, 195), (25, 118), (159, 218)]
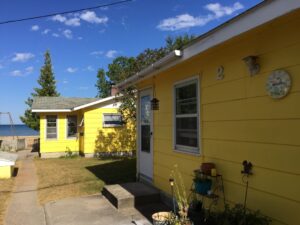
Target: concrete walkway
[(23, 208), (91, 210)]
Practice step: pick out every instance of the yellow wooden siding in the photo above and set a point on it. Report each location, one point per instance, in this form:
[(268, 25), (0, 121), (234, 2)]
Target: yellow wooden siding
[(6, 172), (239, 121), (62, 143), (99, 138)]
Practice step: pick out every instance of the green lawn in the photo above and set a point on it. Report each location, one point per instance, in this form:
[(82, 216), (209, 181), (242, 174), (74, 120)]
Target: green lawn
[(66, 177)]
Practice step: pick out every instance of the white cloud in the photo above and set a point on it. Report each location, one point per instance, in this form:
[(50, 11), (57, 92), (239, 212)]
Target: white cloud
[(1, 66), (46, 31), (111, 53), (90, 68), (55, 35), (104, 8), (75, 18), (59, 18), (68, 34), (22, 73), (35, 28), (80, 38), (71, 70), (22, 57), (221, 11), (97, 53), (74, 22), (16, 73), (29, 70), (185, 21), (91, 17)]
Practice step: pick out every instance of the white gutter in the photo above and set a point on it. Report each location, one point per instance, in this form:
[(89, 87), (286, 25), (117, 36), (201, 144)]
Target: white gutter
[(248, 20), (51, 110)]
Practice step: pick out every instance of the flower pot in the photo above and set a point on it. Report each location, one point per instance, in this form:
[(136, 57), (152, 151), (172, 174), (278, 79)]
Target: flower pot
[(203, 186), (206, 168), (161, 218)]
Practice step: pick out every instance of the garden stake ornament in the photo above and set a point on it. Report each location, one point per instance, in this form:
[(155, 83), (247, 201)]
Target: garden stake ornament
[(247, 171)]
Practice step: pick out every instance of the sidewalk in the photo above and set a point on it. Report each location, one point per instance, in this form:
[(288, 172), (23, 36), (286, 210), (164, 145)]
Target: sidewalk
[(23, 208)]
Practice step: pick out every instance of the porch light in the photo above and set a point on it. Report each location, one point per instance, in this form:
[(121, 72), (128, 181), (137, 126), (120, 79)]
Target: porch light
[(154, 104)]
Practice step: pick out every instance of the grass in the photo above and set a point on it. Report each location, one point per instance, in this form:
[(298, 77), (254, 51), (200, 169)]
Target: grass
[(6, 188), (69, 177)]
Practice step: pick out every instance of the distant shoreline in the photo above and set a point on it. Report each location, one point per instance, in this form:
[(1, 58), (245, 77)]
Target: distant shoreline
[(19, 130)]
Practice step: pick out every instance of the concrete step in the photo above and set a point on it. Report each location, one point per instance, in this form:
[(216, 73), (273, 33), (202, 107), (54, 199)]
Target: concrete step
[(130, 195)]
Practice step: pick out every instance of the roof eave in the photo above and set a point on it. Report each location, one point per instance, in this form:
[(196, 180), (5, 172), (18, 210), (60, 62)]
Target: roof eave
[(248, 20), (50, 110)]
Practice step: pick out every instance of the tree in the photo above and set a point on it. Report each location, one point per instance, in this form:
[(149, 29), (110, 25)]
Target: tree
[(46, 79), (102, 85), (121, 68), (124, 67), (47, 88), (178, 42)]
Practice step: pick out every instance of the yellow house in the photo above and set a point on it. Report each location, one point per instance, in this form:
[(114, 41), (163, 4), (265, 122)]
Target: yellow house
[(84, 126), (231, 95)]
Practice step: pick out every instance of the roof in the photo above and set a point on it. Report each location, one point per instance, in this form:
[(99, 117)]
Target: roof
[(63, 104), (258, 15)]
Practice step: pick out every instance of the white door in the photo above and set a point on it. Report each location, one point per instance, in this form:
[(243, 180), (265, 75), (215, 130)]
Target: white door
[(145, 136)]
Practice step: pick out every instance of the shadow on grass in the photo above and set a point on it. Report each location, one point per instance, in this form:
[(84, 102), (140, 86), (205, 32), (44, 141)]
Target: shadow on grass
[(116, 172)]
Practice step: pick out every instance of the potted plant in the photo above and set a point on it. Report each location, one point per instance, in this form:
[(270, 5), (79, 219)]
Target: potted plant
[(202, 183), (161, 218), (179, 216)]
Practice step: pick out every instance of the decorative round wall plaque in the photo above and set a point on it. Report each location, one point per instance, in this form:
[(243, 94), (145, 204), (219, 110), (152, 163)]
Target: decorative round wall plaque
[(278, 84)]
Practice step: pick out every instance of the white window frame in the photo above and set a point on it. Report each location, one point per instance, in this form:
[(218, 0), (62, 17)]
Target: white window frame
[(46, 128), (183, 148), (67, 127), (112, 125)]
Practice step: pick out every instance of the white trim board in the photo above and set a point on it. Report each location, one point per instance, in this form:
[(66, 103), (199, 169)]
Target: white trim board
[(258, 15)]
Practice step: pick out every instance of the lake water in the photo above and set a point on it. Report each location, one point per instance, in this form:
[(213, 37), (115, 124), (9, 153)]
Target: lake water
[(19, 130)]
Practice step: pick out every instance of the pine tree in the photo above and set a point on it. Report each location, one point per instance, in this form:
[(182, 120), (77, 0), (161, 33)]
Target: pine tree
[(102, 85), (47, 88)]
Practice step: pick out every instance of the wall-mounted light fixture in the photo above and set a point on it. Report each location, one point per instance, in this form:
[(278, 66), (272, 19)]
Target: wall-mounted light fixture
[(252, 64), (154, 101)]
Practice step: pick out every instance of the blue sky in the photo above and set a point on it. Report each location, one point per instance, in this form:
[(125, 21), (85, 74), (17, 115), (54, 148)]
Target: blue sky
[(81, 43)]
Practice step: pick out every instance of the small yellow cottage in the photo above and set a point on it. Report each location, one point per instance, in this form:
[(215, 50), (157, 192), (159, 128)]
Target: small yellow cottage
[(231, 95), (82, 125)]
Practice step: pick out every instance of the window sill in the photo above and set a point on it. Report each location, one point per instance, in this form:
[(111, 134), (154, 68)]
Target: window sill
[(113, 126), (182, 150), (71, 138), (51, 139)]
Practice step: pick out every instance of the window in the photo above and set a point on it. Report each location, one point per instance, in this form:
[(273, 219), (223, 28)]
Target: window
[(186, 116), (71, 126), (51, 127), (112, 120)]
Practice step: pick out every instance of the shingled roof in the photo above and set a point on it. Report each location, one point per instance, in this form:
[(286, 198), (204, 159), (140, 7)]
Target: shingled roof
[(63, 103)]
